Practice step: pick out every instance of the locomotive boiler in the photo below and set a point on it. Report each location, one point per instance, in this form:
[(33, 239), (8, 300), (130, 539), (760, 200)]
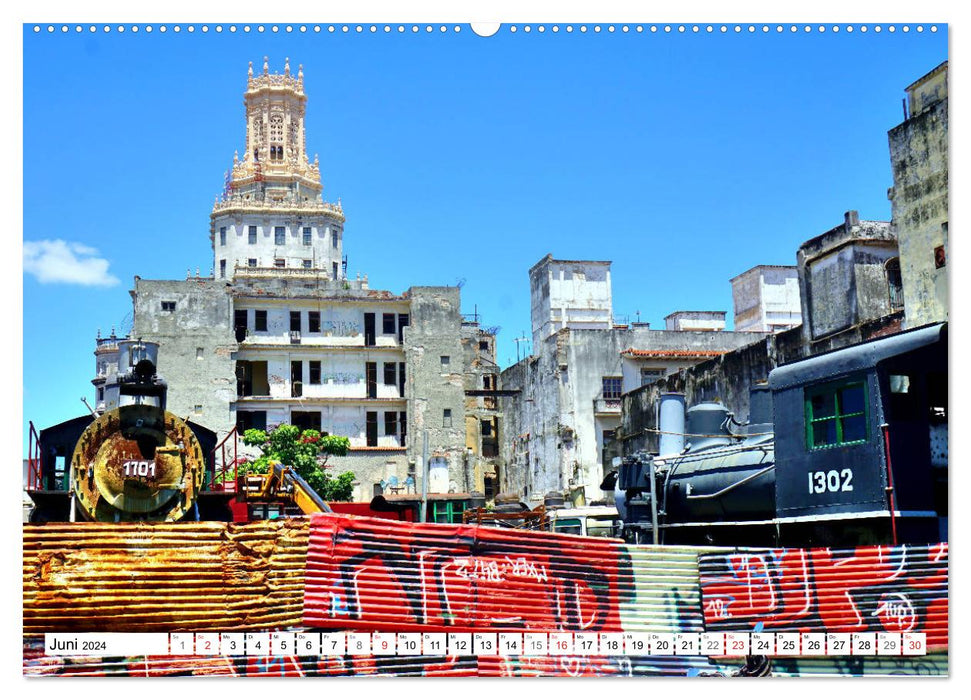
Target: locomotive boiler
[(845, 448)]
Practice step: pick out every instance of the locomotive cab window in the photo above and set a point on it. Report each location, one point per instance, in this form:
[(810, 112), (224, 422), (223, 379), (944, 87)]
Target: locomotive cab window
[(836, 415)]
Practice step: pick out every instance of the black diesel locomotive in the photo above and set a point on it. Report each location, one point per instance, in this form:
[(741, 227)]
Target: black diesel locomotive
[(845, 448)]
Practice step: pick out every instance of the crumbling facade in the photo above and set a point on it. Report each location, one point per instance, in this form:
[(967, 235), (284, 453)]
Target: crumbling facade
[(278, 333), (561, 405), (919, 161)]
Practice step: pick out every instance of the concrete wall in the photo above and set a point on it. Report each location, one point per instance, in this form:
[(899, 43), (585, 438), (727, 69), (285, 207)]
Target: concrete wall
[(695, 321), (766, 299), (919, 204), (196, 346)]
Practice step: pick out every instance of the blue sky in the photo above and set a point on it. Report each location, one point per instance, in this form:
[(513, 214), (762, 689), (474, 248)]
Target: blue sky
[(683, 158)]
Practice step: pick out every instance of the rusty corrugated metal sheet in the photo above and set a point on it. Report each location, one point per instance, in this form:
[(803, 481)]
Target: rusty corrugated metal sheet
[(867, 589), (94, 577)]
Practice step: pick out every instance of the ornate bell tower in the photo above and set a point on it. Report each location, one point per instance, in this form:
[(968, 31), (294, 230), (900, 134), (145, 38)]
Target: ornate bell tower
[(271, 218)]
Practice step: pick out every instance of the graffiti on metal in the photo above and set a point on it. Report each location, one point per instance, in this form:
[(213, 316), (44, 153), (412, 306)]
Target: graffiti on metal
[(867, 589), (365, 574)]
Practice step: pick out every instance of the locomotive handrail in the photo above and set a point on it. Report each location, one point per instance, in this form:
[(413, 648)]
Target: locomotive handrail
[(221, 473), (33, 459)]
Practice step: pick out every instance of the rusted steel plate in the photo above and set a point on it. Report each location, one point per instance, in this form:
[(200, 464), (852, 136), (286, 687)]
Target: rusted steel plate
[(92, 577), (867, 589)]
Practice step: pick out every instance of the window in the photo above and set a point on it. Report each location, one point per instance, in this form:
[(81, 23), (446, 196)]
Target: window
[(403, 422), (334, 235), (259, 323), (895, 286), (313, 322), (445, 360), (296, 378), (484, 345), (371, 429), (308, 235), (279, 235), (222, 268), (295, 321), (315, 371), (168, 306), (402, 322), (335, 270), (390, 373), (252, 236), (650, 375), (387, 322), (222, 235), (836, 415), (101, 394), (446, 511), (279, 262), (447, 418), (197, 409), (200, 354), (391, 423), (251, 262), (612, 388), (307, 264)]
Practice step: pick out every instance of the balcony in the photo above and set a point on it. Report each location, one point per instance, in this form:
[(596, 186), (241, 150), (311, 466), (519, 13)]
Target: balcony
[(606, 407)]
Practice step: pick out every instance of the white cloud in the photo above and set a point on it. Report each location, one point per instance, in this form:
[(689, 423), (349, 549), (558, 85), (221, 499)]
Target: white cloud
[(70, 263)]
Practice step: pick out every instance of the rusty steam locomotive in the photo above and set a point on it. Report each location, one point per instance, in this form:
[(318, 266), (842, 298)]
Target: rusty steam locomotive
[(135, 462)]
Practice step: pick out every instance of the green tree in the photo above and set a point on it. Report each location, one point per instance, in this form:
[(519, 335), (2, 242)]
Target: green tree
[(307, 452)]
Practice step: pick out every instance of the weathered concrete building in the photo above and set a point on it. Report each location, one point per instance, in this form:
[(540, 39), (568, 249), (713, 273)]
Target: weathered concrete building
[(569, 293), (483, 419), (280, 334), (766, 299), (919, 161), (561, 406), (846, 280), (695, 321)]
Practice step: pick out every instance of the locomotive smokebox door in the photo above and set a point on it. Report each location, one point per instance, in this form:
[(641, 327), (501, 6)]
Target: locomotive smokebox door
[(137, 462)]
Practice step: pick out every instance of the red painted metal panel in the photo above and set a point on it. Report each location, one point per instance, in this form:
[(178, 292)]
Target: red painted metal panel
[(867, 589), (363, 574)]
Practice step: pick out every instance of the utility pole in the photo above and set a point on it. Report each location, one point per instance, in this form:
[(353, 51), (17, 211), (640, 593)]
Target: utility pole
[(517, 341)]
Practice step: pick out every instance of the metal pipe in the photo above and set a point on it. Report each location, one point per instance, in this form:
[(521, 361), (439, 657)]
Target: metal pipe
[(424, 476), (731, 486), (654, 532)]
